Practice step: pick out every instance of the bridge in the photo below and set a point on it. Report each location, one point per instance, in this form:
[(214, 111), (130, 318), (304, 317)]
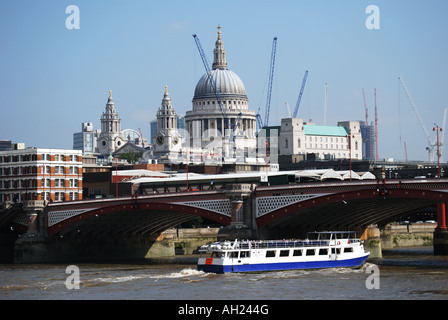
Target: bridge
[(261, 211)]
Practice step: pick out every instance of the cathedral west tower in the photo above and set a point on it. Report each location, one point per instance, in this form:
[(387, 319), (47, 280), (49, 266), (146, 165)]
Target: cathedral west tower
[(167, 140), (110, 138)]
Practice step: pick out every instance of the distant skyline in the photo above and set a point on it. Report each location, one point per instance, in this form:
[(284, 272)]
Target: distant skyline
[(53, 78)]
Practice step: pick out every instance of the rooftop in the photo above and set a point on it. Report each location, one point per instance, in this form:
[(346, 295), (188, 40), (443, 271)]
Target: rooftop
[(325, 131)]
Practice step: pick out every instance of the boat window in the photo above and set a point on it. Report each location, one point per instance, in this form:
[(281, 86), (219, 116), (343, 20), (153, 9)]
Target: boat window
[(349, 249), (336, 250), (323, 251), (233, 255), (284, 253), (245, 254), (217, 254), (310, 252), (297, 253), (270, 253)]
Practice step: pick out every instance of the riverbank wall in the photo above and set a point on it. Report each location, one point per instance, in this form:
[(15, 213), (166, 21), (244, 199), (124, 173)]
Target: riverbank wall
[(409, 235)]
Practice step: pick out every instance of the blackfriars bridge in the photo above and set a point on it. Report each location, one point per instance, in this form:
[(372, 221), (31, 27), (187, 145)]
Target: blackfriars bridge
[(241, 208)]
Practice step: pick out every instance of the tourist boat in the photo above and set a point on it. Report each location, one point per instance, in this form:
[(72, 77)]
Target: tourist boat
[(319, 250)]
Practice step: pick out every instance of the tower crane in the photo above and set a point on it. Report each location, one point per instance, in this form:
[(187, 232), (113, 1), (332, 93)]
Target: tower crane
[(271, 79), (431, 144), (141, 137), (300, 94), (376, 127), (443, 134), (288, 109), (365, 107)]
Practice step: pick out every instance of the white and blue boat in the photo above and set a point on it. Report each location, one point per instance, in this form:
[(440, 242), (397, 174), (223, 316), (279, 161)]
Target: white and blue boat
[(328, 249)]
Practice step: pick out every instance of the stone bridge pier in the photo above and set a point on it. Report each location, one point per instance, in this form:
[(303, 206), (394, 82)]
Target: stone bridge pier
[(242, 225)]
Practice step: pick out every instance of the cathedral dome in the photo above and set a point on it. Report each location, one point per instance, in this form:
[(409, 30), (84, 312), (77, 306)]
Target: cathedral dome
[(227, 82), (228, 85), (211, 119)]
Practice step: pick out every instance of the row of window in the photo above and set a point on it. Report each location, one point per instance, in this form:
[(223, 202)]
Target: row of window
[(315, 146), (234, 102), (321, 139), (32, 183), (34, 157), (9, 171), (285, 253), (57, 196)]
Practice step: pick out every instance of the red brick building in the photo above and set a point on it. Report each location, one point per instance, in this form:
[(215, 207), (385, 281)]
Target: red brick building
[(40, 174)]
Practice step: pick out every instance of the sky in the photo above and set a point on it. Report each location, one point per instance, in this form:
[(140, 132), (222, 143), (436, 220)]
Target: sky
[(54, 78)]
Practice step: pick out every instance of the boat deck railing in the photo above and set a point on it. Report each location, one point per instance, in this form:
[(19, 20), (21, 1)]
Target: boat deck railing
[(287, 244)]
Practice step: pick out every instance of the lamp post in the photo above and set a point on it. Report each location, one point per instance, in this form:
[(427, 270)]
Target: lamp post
[(350, 152), (437, 128)]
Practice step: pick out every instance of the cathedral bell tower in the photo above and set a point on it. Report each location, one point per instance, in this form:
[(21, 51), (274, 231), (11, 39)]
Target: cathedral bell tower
[(167, 138), (110, 138)]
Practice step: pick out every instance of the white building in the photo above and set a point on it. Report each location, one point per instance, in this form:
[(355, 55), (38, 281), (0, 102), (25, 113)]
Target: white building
[(86, 140), (327, 142)]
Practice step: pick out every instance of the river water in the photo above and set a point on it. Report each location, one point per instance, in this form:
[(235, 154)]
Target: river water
[(402, 274)]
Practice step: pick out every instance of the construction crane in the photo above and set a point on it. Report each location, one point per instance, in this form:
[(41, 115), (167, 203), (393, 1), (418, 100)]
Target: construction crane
[(405, 151), (442, 140), (300, 94), (326, 103), (271, 80), (365, 107), (376, 127), (141, 137), (288, 109), (431, 144), (260, 122)]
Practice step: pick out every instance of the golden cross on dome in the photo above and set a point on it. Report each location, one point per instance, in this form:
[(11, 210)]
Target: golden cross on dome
[(110, 93), (166, 89), (219, 31)]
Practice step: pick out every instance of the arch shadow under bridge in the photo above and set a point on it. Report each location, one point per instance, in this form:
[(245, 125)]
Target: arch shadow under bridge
[(344, 210)]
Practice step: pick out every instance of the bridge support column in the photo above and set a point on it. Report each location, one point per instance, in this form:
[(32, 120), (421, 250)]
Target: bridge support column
[(441, 232), (237, 211), (35, 212), (441, 215), (239, 195)]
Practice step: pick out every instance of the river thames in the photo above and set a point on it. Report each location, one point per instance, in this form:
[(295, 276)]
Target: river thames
[(402, 274)]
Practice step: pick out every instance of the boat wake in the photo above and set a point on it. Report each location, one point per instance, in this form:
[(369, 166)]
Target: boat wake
[(188, 272)]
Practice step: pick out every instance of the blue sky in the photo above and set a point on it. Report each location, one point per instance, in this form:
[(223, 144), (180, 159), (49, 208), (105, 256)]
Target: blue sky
[(52, 78)]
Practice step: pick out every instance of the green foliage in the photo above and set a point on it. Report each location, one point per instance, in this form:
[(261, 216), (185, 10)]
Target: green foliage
[(131, 157)]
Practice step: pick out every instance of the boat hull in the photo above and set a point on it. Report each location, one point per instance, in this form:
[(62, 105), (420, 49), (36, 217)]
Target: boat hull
[(279, 266)]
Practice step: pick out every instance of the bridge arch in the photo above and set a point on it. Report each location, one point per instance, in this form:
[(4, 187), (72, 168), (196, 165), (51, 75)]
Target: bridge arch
[(354, 210), (130, 218)]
